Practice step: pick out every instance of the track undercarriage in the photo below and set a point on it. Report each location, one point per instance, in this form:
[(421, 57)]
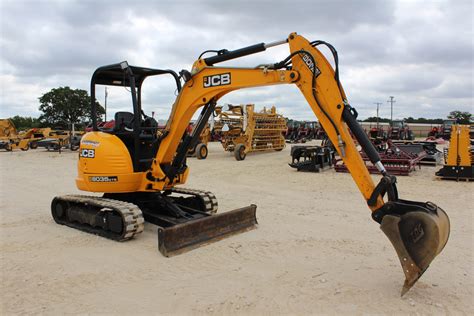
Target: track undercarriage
[(185, 217)]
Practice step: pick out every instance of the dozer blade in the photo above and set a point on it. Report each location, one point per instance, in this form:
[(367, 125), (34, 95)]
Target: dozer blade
[(418, 232), (184, 237)]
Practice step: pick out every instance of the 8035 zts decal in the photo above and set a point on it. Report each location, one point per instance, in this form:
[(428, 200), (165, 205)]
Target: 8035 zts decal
[(103, 179)]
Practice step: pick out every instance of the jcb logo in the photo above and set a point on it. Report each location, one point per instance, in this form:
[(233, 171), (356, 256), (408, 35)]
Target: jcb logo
[(217, 80), (417, 233), (87, 153)]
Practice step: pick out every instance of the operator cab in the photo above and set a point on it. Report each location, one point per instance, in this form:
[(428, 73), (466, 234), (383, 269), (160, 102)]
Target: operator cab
[(135, 129), (398, 124), (449, 123)]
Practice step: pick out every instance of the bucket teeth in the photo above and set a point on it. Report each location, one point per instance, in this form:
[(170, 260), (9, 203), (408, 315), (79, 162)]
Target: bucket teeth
[(411, 270)]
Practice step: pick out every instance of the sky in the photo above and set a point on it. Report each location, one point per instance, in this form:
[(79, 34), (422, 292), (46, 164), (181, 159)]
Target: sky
[(420, 52)]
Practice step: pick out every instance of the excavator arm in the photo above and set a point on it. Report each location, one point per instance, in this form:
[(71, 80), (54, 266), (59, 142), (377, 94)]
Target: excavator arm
[(418, 231)]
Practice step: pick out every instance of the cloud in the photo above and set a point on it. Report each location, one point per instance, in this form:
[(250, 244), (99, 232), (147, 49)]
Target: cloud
[(421, 52)]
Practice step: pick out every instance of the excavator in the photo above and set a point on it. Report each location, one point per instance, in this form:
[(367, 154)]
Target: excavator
[(139, 171)]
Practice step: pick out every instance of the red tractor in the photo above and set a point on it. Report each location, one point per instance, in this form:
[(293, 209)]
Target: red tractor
[(400, 130), (377, 133), (443, 131)]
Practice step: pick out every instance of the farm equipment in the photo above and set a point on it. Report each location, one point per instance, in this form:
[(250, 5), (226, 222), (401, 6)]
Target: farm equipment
[(7, 128), (36, 134), (312, 158), (396, 160), (459, 162), (302, 131), (377, 133), (443, 131), (319, 132), (58, 139), (434, 132), (200, 149), (400, 130), (9, 138), (140, 173), (12, 143), (432, 156), (291, 133), (243, 130)]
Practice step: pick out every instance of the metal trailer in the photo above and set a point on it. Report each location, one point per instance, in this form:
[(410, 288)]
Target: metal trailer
[(243, 130)]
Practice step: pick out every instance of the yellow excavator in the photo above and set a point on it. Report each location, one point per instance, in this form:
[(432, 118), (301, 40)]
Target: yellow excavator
[(139, 171)]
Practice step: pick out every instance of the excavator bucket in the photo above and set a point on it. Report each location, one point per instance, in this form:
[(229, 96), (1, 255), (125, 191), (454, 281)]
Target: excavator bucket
[(183, 237), (418, 232)]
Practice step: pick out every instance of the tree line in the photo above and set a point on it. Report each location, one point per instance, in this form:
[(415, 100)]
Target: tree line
[(63, 106), (460, 116)]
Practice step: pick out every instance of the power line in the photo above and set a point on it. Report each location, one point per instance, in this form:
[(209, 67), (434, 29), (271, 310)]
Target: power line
[(391, 101), (378, 105)]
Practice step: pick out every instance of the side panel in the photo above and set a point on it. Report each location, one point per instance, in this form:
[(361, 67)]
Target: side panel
[(105, 165)]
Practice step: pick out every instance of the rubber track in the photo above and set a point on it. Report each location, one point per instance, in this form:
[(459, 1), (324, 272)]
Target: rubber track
[(209, 199), (131, 215)]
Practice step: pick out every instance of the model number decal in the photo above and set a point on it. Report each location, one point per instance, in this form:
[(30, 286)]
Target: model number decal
[(87, 153), (309, 62), (90, 143), (104, 179), (217, 80)]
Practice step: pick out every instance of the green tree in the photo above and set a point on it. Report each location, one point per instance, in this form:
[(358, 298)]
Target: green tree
[(462, 117), (24, 122), (423, 120), (374, 119), (63, 105)]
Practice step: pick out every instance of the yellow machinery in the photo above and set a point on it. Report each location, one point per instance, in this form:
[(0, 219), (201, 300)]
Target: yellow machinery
[(200, 150), (459, 161), (243, 130), (55, 140), (140, 173), (10, 139), (36, 134), (7, 128)]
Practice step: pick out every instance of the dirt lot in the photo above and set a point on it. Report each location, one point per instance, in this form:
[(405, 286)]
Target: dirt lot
[(316, 249)]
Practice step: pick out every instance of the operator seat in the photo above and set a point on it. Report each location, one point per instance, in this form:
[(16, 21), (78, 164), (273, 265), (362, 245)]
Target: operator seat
[(123, 122), (148, 142)]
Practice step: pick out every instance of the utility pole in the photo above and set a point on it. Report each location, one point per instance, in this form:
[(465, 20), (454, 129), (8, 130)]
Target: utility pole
[(391, 101), (378, 105), (105, 104)]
